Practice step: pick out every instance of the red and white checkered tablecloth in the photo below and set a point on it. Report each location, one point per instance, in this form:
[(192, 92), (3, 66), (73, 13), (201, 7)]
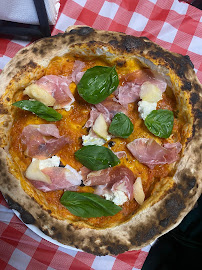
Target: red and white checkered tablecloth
[(175, 26)]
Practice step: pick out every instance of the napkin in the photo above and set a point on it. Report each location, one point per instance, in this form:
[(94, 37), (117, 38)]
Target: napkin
[(23, 11)]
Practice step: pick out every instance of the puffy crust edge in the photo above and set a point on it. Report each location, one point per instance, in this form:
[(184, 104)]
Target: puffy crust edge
[(152, 221)]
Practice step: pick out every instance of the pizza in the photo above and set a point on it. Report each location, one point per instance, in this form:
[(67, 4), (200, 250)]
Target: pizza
[(100, 139)]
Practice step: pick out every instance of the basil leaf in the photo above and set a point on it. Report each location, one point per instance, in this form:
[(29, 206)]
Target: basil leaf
[(121, 126), (88, 205), (39, 109), (98, 83), (160, 123), (96, 157)]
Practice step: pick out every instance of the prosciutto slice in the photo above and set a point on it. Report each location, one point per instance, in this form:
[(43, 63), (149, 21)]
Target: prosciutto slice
[(130, 90), (58, 87), (84, 172), (112, 179), (77, 73), (128, 93), (42, 141), (96, 178), (150, 153), (108, 108), (120, 154), (61, 178)]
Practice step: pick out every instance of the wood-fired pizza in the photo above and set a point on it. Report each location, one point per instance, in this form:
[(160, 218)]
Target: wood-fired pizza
[(100, 139)]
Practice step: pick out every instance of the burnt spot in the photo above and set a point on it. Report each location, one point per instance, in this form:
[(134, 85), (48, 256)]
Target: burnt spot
[(164, 222), (94, 250), (90, 43), (70, 228), (25, 216), (58, 236), (32, 64), (8, 99), (186, 85), (194, 98), (46, 232), (197, 87), (179, 63), (72, 39), (130, 43), (120, 63), (158, 52), (197, 113), (117, 248), (42, 217), (82, 31), (9, 75), (53, 228), (114, 43), (35, 50), (174, 205), (169, 213), (144, 233), (188, 60), (18, 64), (6, 124), (42, 52), (24, 51), (189, 181), (3, 110)]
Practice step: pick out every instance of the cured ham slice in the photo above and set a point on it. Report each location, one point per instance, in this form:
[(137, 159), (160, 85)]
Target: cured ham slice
[(138, 77), (58, 87), (96, 178), (120, 154), (42, 141), (61, 178), (77, 73), (123, 179), (109, 180), (108, 108), (84, 172), (130, 90), (150, 153), (128, 93)]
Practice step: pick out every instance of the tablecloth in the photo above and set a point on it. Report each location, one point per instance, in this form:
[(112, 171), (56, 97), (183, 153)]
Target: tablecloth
[(175, 26)]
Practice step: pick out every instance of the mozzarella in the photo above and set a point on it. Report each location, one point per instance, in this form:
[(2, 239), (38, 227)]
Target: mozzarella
[(145, 108), (54, 161), (90, 140), (117, 196), (67, 107)]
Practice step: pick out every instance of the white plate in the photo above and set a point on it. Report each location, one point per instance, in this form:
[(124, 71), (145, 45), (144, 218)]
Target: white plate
[(43, 235)]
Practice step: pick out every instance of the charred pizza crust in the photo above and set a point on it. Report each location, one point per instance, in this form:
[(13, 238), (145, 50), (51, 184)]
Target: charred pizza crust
[(163, 210)]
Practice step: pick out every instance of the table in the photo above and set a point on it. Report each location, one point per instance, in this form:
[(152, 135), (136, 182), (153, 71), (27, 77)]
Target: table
[(175, 26)]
